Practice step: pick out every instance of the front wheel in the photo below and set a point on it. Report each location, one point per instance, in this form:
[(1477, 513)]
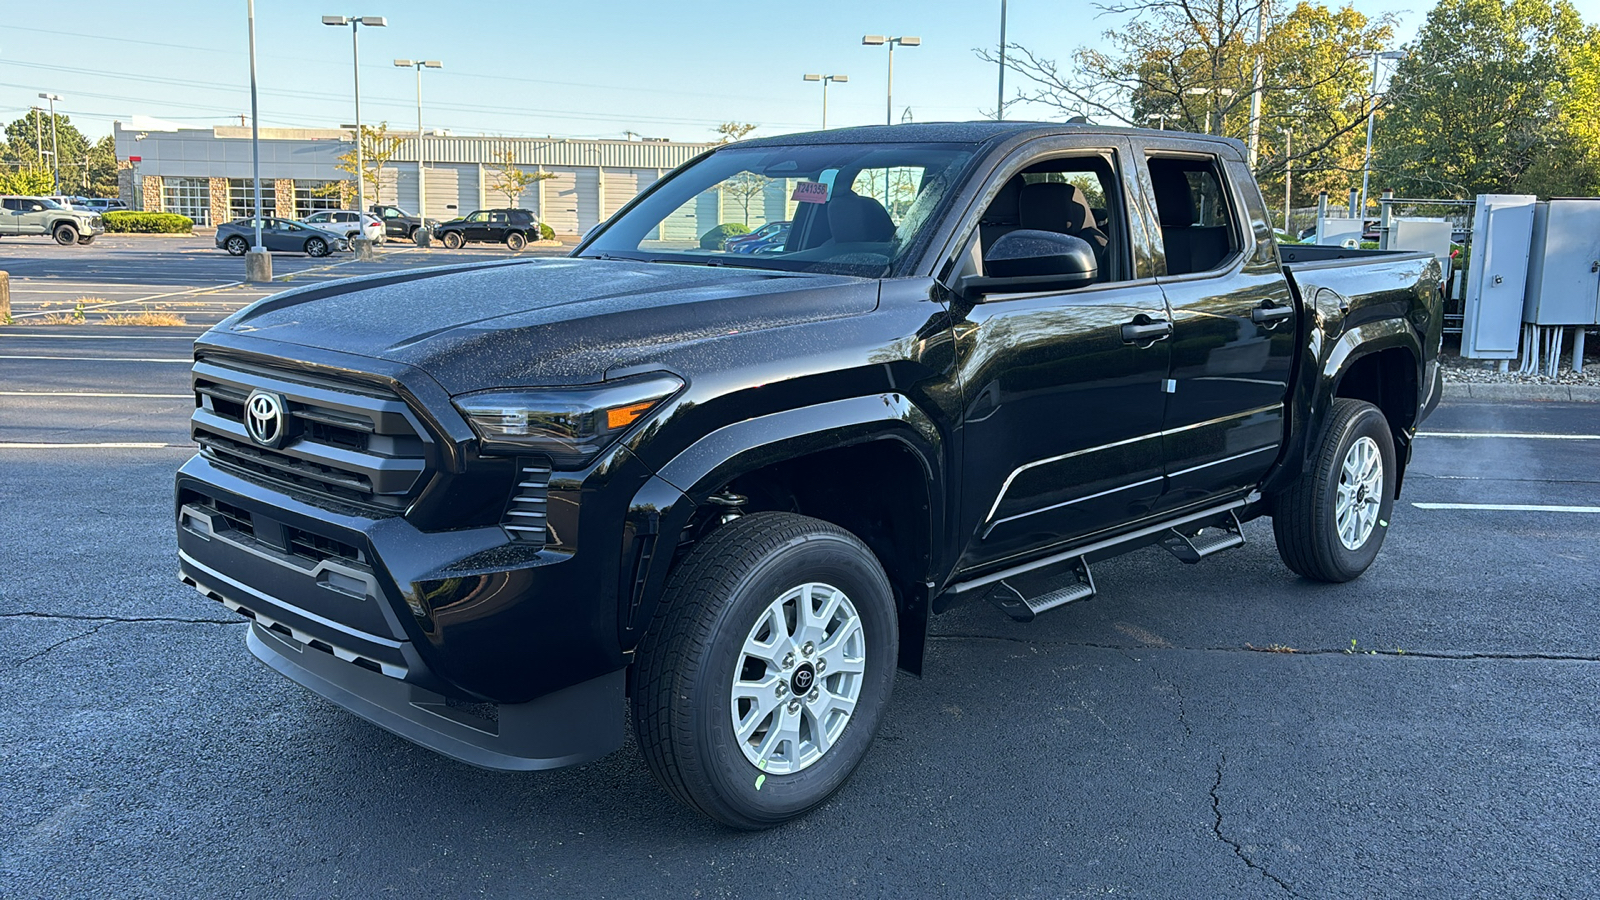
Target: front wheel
[(1331, 522), (66, 235), (452, 240), (767, 669), (316, 247)]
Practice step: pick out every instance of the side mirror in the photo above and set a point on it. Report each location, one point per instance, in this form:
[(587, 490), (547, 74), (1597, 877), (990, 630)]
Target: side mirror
[(1028, 260)]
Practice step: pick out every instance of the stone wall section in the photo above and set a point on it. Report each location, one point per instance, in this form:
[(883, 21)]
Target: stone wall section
[(283, 191), (150, 193), (219, 201)]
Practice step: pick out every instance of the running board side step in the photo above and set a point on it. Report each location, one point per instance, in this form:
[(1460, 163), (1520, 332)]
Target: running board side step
[(1026, 596), (1190, 545)]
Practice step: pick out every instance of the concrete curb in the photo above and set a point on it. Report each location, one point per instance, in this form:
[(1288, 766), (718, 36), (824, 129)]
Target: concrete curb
[(1507, 393)]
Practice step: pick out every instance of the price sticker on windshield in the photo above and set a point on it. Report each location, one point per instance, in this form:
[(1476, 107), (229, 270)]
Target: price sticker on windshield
[(810, 192)]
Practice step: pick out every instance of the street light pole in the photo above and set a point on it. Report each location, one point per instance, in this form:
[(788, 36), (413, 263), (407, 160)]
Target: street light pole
[(55, 149), (1207, 92), (1000, 105), (1257, 84), (422, 175), (1372, 115), (38, 133), (877, 40), (361, 245), (257, 263), (1288, 172), (825, 79)]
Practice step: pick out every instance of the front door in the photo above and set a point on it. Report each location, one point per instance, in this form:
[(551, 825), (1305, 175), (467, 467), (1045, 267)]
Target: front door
[(1063, 391), (1233, 320)]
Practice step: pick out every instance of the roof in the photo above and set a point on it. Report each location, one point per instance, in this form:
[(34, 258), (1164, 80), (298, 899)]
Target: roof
[(976, 132)]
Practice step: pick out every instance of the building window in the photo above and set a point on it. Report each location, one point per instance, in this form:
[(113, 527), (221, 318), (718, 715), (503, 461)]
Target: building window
[(242, 198), (187, 197), (310, 196)]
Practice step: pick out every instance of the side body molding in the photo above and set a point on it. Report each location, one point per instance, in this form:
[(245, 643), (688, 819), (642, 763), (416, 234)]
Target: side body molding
[(662, 508)]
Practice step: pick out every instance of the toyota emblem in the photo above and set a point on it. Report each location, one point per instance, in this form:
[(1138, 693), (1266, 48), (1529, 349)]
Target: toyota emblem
[(263, 418)]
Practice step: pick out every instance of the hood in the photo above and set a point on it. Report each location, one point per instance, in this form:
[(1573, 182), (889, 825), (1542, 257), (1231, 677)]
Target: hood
[(545, 321)]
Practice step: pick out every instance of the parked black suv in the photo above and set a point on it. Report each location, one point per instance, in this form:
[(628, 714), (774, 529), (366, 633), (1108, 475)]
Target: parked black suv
[(516, 228), (397, 223), (481, 506)]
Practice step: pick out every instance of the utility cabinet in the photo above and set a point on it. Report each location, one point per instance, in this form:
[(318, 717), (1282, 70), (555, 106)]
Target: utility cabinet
[(1333, 231), (1428, 235), (1564, 271), (1497, 276)]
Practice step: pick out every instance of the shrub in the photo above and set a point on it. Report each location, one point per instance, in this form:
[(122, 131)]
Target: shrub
[(717, 238), (546, 233), (124, 221), (27, 182)]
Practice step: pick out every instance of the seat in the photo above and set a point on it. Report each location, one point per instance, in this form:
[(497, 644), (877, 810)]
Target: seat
[(1190, 247), (1002, 216), (1062, 207), (854, 219)]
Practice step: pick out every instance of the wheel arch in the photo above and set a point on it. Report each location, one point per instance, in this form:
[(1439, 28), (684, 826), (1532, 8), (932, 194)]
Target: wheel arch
[(850, 462), (1380, 363)]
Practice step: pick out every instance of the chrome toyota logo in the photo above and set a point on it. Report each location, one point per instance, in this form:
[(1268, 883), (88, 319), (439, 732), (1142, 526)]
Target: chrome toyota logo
[(263, 418)]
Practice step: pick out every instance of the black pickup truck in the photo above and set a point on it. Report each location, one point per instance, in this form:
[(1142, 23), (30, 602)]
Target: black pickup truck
[(492, 507)]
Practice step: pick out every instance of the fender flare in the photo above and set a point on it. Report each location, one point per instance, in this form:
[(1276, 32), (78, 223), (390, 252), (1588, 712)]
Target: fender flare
[(663, 506)]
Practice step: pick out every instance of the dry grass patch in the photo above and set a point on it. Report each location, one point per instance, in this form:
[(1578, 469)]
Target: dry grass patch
[(61, 318), (144, 318)]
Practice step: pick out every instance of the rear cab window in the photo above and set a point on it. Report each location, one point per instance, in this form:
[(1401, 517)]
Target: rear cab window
[(1196, 215)]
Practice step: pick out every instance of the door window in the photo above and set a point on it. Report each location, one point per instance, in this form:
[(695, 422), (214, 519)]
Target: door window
[(478, 217), (1199, 226), (1075, 195)]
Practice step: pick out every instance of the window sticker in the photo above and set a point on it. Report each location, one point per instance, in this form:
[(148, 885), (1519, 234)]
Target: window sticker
[(810, 192)]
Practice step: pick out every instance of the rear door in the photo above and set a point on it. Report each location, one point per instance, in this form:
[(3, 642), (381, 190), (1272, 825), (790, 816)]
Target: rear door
[(1062, 433), (11, 215), (1233, 317)]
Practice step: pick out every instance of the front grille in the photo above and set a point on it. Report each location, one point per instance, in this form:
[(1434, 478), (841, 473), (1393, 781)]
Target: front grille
[(351, 443), (526, 516)]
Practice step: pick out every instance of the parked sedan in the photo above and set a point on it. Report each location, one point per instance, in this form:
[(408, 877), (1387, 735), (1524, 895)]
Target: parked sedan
[(280, 235), (104, 204), (764, 239), (343, 221)]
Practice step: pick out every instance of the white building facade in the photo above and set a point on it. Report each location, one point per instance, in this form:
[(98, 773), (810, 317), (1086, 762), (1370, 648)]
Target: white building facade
[(205, 173)]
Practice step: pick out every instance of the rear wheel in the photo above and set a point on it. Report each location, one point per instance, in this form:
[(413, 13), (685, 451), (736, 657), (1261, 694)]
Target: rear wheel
[(236, 245), (452, 240), (1331, 522), (316, 247), (766, 670), (66, 235), (516, 240)]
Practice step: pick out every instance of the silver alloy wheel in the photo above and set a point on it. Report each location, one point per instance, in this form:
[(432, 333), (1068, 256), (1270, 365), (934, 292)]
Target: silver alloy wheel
[(1360, 493), (798, 678)]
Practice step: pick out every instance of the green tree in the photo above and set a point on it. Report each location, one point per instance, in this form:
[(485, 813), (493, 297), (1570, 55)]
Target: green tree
[(27, 147), (733, 131), (1476, 105), (745, 187), (1578, 118), (511, 180), (378, 146)]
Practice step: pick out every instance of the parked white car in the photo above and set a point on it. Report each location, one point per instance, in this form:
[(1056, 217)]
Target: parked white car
[(343, 221)]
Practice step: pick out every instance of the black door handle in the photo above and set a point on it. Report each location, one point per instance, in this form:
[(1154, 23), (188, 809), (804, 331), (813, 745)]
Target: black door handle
[(1267, 312), (1145, 329)]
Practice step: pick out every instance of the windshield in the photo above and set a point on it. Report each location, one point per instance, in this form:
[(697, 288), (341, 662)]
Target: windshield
[(852, 209)]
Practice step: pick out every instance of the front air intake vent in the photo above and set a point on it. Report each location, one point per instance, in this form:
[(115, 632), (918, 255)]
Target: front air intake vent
[(525, 518)]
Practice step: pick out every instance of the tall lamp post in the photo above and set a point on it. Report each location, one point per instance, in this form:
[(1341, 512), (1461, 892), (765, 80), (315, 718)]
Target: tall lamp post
[(257, 263), (825, 79), (1372, 114), (361, 245), (878, 40), (1207, 92), (1000, 105), (422, 176), (55, 154)]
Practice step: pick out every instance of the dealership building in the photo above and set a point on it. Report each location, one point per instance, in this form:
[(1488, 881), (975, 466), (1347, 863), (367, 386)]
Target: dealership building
[(205, 173)]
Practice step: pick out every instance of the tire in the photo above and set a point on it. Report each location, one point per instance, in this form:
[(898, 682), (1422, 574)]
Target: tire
[(236, 246), (516, 241), (65, 235), (1312, 538), (316, 247), (750, 578), (452, 240), (412, 234)]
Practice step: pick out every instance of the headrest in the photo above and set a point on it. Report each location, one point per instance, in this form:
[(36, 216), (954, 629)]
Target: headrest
[(1003, 209), (1055, 206), (857, 219), (1174, 205)]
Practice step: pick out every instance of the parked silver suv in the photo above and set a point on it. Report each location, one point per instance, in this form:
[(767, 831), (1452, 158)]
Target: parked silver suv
[(41, 215)]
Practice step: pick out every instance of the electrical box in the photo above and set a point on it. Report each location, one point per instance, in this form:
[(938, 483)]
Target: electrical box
[(1427, 235), (1564, 271), (1333, 231), (1497, 275)]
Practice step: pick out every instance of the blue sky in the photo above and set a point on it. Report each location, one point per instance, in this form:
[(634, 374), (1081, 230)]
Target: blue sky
[(585, 69)]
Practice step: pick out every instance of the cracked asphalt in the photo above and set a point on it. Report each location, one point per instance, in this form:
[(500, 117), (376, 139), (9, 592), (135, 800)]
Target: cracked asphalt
[(1218, 730)]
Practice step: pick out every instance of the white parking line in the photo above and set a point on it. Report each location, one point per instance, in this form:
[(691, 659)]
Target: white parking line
[(109, 337), (108, 445), (197, 290), (185, 360), (91, 394), (1522, 435), (1509, 507)]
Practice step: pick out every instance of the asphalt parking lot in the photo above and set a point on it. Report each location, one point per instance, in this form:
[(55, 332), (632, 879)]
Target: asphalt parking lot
[(1221, 730)]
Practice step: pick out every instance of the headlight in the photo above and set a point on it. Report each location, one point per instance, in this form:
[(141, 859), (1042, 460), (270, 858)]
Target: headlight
[(570, 425)]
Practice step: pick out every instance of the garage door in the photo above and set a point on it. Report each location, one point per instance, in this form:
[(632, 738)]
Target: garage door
[(560, 210), (444, 195)]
